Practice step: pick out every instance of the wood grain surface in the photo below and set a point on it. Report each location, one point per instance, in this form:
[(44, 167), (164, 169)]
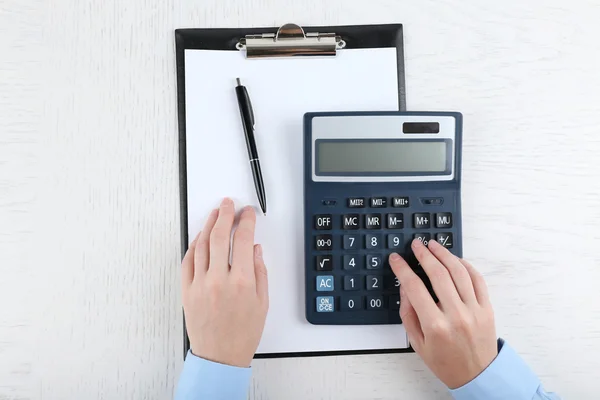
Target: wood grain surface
[(89, 218)]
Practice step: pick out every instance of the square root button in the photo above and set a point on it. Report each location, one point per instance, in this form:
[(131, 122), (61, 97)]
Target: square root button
[(325, 304), (325, 283)]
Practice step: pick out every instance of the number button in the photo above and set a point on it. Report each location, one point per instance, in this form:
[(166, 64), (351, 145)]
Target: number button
[(323, 222), (423, 237), (391, 282), (324, 283), (324, 263), (375, 303), (443, 220), (445, 239), (356, 202), (373, 221), (351, 303), (395, 302), (351, 282), (394, 241), (421, 221), (351, 242), (352, 262), (395, 221), (325, 304), (373, 262), (374, 282), (400, 202), (351, 221), (378, 202), (323, 242), (373, 241)]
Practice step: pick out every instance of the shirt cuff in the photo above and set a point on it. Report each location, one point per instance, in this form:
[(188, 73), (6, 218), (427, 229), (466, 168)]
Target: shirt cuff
[(507, 377), (203, 379)]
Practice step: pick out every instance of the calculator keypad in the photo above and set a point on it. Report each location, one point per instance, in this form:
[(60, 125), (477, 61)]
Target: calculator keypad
[(352, 239)]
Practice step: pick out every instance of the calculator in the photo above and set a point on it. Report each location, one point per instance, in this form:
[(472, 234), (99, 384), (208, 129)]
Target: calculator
[(373, 182)]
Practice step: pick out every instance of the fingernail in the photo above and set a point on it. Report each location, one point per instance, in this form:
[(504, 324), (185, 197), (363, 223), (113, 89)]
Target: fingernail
[(394, 257), (247, 208), (226, 202), (416, 243), (258, 251)]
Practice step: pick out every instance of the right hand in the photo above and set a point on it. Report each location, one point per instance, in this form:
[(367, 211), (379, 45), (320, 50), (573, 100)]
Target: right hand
[(456, 337)]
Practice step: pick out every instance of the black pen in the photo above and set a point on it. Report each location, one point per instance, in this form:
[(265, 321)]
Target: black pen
[(248, 123)]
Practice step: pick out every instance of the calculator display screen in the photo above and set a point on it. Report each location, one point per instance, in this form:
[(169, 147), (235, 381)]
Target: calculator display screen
[(382, 156)]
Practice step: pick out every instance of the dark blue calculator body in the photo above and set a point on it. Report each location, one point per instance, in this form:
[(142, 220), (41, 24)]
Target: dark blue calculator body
[(373, 182)]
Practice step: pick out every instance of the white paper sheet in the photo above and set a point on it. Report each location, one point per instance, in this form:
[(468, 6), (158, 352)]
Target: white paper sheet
[(281, 90)]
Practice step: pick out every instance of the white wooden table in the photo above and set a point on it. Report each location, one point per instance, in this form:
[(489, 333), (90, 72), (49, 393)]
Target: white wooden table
[(89, 218)]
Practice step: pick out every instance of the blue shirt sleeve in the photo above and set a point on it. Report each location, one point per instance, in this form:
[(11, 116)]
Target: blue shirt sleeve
[(507, 377), (206, 380)]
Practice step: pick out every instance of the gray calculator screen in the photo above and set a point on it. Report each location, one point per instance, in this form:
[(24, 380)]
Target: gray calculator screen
[(381, 156)]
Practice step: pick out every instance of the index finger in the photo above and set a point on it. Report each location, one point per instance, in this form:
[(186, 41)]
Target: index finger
[(415, 290)]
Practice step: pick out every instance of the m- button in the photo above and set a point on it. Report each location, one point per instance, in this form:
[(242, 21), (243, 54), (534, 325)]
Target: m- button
[(323, 222)]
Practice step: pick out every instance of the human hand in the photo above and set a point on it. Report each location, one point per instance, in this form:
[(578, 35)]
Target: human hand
[(456, 337), (225, 306)]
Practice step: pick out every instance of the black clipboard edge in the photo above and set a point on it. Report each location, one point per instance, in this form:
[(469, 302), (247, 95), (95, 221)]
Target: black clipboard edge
[(355, 36)]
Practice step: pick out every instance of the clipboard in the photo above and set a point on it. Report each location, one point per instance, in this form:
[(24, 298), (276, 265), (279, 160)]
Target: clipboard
[(291, 41)]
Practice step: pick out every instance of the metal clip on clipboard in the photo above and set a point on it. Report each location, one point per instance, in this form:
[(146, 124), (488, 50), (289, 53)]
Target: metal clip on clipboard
[(289, 41)]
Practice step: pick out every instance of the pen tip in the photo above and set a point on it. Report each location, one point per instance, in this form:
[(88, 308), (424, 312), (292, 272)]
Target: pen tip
[(265, 214), (238, 81)]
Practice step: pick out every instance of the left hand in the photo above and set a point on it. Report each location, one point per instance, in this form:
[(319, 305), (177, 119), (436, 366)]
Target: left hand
[(225, 305)]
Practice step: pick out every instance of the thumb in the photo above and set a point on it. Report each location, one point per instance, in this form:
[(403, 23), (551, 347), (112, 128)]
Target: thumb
[(411, 322), (260, 270)]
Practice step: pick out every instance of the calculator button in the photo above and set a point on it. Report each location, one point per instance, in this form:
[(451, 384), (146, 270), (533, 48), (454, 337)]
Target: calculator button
[(325, 304), (374, 262), (351, 303), (395, 302), (356, 202), (443, 220), (423, 237), (378, 202), (324, 263), (352, 262), (374, 282), (351, 221), (352, 282), (351, 242), (394, 241), (375, 303), (395, 221), (323, 242), (373, 221), (391, 282), (373, 241), (401, 202), (324, 283), (445, 239), (323, 222), (421, 221)]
